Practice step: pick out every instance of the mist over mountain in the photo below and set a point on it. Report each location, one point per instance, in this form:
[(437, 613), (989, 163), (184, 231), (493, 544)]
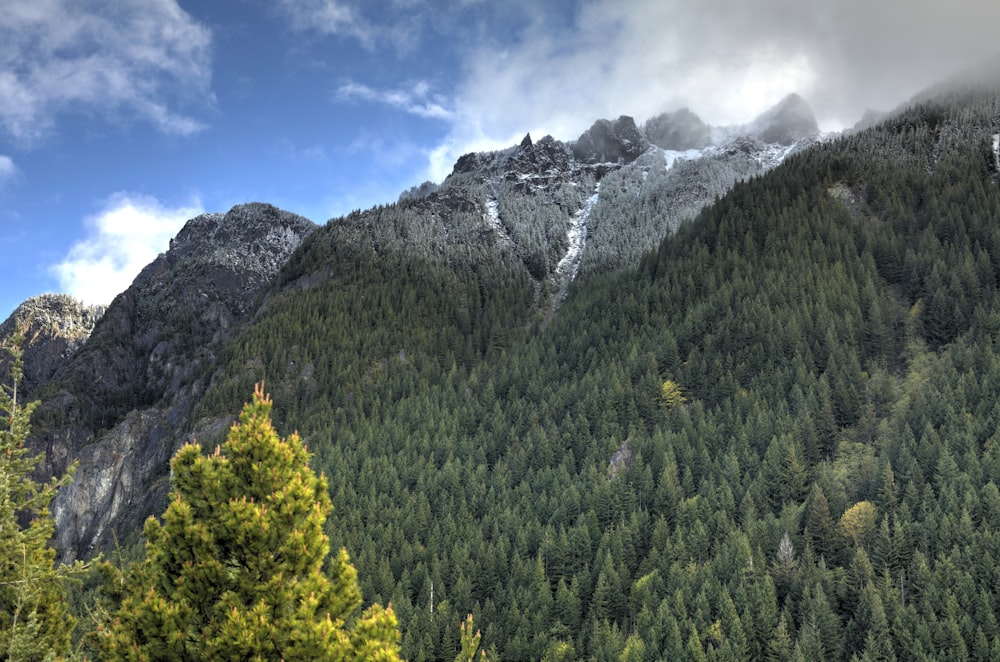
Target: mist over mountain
[(664, 391)]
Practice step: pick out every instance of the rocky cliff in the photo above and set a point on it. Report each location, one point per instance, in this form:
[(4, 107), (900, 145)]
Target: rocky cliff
[(122, 403), (54, 327)]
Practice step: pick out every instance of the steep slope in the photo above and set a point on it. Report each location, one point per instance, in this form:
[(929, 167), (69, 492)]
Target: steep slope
[(498, 244), (689, 165), (832, 326), (120, 404), (402, 341)]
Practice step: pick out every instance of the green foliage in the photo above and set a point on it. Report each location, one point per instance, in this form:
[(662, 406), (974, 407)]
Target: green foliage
[(469, 643), (235, 570), (834, 324), (34, 619), (858, 522), (671, 394)]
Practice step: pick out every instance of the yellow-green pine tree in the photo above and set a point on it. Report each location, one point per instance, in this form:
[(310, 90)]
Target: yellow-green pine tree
[(235, 569)]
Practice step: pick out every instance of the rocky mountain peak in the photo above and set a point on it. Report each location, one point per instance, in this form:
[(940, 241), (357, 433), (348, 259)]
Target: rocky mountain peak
[(548, 156), (55, 326), (608, 141), (256, 236), (789, 121), (124, 400), (680, 130)]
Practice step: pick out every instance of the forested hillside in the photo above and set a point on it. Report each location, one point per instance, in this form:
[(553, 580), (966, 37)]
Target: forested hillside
[(825, 488)]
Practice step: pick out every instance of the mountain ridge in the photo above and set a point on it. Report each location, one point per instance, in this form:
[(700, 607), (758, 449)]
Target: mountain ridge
[(138, 399), (497, 431), (130, 386)]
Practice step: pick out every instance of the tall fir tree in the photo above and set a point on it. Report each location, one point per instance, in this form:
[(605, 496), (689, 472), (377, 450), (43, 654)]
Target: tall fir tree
[(34, 620), (235, 570)]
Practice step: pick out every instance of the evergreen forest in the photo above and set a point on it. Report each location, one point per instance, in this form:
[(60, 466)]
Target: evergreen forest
[(773, 438), (776, 438)]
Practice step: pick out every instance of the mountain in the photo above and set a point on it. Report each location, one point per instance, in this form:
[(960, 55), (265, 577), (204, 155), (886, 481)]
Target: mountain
[(786, 123), (119, 405), (533, 216), (678, 131), (730, 401), (54, 327)]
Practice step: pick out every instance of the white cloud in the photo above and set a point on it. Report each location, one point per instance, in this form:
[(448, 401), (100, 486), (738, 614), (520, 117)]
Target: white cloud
[(7, 168), (140, 56), (728, 60), (332, 17), (125, 236), (415, 100)]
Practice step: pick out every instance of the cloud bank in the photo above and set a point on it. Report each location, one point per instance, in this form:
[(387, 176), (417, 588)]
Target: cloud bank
[(141, 56), (556, 67), (125, 236)]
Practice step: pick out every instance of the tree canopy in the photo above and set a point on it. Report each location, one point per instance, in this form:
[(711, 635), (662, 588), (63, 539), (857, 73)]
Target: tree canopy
[(34, 619), (235, 571)]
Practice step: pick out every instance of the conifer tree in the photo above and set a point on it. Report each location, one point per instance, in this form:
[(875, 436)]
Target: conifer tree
[(235, 569), (34, 621)]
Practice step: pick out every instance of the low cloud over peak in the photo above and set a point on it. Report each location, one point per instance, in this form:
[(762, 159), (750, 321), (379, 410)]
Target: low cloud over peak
[(728, 61)]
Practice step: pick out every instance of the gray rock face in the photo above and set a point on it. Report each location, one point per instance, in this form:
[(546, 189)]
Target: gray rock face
[(680, 130), (788, 122), (548, 156), (55, 326), (607, 142), (125, 399)]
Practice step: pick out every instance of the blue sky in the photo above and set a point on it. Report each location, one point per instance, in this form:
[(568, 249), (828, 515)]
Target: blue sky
[(120, 120)]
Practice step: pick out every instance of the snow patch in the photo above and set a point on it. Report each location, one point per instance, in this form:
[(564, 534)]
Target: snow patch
[(671, 156), (996, 150), (492, 218), (492, 215), (773, 154), (576, 236)]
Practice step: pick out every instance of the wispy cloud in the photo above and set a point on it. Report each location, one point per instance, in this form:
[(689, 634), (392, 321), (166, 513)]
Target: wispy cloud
[(416, 99), (138, 56), (726, 60), (330, 17), (7, 169), (121, 239)]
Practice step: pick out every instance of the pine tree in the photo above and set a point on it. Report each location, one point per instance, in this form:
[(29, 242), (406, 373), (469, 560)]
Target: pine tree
[(234, 571), (34, 621)]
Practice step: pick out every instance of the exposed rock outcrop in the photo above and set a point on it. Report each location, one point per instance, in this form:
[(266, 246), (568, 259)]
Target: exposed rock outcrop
[(124, 400), (55, 326), (607, 142)]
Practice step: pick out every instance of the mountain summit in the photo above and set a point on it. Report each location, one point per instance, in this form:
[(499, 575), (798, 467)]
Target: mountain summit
[(120, 403), (788, 122), (748, 387)]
